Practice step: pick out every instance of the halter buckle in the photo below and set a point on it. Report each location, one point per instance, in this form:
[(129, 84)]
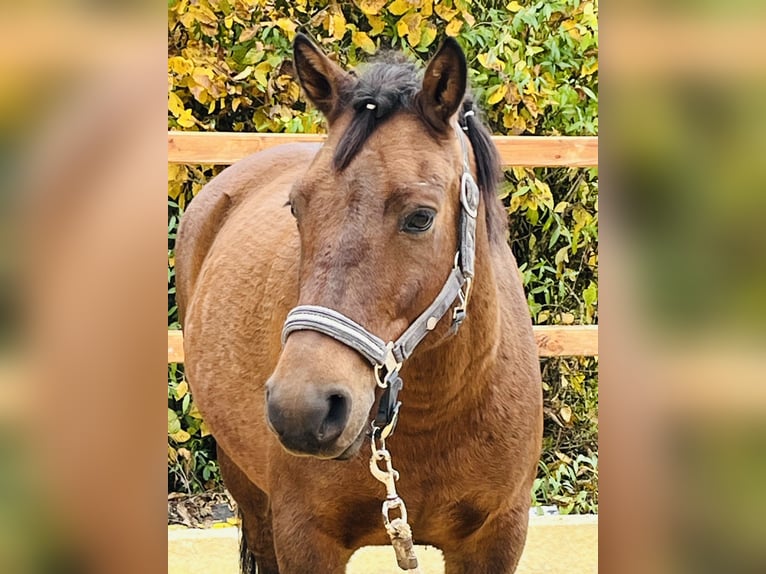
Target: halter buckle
[(391, 365), (459, 312)]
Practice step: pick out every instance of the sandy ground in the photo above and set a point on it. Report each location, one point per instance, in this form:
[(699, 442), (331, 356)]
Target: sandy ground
[(555, 544)]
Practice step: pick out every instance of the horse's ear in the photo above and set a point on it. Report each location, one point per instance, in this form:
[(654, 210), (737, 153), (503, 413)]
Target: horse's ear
[(444, 84), (320, 77)]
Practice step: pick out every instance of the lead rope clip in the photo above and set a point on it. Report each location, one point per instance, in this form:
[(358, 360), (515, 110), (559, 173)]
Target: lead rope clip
[(399, 531)]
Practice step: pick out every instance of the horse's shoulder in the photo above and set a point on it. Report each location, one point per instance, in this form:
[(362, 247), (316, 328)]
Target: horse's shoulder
[(220, 198)]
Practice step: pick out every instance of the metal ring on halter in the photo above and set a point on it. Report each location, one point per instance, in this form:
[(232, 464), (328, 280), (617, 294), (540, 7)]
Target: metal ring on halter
[(382, 384), (392, 504)]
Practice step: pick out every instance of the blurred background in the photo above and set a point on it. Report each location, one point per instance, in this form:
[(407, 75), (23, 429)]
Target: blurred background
[(678, 395)]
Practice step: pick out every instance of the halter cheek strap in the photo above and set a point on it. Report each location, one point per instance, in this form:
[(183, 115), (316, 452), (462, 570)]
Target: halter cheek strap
[(387, 358)]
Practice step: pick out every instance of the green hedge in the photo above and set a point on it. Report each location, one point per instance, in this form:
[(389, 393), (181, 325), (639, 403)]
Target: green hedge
[(534, 69)]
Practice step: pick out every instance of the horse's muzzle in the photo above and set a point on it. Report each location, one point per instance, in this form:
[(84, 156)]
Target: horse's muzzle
[(309, 423)]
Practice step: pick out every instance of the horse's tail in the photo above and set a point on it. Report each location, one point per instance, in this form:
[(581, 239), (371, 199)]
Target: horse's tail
[(250, 562), (247, 563)]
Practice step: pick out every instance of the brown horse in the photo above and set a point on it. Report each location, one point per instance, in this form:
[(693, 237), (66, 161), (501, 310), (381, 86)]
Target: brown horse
[(367, 225)]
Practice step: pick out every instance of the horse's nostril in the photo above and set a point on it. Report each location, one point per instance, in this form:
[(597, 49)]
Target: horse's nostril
[(336, 418), (310, 421)]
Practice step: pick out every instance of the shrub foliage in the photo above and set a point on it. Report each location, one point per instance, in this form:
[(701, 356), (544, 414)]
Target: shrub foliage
[(533, 67)]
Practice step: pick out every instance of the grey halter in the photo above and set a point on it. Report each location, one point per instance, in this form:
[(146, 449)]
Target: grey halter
[(387, 358)]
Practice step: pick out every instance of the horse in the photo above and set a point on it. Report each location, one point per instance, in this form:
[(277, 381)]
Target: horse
[(290, 259)]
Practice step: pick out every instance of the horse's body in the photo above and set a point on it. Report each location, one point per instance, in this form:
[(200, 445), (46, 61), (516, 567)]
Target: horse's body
[(468, 438)]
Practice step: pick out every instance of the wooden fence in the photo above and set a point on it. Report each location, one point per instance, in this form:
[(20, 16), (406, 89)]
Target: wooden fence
[(528, 151)]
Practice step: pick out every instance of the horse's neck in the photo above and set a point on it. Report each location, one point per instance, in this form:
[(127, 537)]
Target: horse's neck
[(452, 376)]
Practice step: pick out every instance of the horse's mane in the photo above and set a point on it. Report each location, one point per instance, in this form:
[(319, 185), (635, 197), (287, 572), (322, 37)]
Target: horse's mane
[(391, 83)]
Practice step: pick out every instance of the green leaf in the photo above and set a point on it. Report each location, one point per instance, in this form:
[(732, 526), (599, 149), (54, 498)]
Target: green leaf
[(174, 425), (590, 294)]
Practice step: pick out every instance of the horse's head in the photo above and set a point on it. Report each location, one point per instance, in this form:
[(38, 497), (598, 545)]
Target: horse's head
[(378, 213)]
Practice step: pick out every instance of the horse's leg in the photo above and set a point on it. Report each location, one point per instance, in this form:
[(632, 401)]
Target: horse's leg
[(303, 546), (257, 543), (495, 548)]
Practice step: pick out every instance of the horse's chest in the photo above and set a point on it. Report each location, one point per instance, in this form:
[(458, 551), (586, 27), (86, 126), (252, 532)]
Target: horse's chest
[(449, 521), (439, 522)]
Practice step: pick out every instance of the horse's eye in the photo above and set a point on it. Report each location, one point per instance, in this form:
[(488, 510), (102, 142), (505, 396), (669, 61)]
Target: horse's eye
[(292, 209), (419, 221)]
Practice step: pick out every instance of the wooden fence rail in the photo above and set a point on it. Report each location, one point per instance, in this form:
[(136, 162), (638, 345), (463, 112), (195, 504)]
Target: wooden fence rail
[(220, 148)]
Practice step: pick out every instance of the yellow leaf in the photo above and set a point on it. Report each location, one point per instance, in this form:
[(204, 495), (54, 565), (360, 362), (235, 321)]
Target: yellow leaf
[(293, 91), (508, 118), (427, 35), (288, 26), (370, 6), (338, 25), (248, 33), (235, 103), (175, 105), (260, 72), (445, 13), (427, 8), (468, 18), (243, 74), (204, 429), (519, 126), (175, 170), (588, 69), (180, 66), (414, 37), (172, 454), (194, 412), (228, 21), (180, 436), (377, 24), (205, 15), (567, 319), (401, 28), (571, 27), (203, 75), (211, 107), (409, 26), (453, 28), (497, 94), (181, 390), (186, 120), (513, 6), (399, 7), (363, 41), (174, 189), (491, 62)]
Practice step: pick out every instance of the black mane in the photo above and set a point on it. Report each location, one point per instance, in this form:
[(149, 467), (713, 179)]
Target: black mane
[(391, 83)]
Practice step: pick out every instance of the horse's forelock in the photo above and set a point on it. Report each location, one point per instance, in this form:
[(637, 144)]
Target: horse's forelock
[(385, 86)]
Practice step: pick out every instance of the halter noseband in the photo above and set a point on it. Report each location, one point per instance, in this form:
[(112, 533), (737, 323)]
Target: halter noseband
[(387, 358)]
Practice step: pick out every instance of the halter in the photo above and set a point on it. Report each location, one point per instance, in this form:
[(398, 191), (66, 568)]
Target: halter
[(387, 358)]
